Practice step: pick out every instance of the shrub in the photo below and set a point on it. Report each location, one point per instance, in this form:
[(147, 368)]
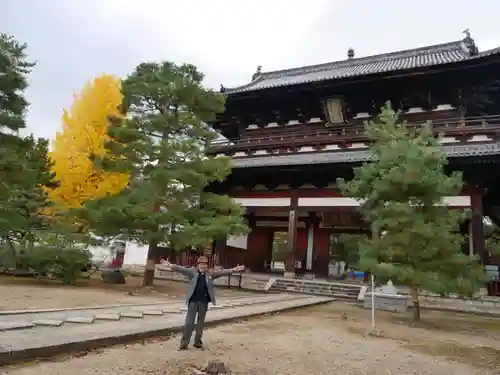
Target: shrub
[(66, 264), (70, 263)]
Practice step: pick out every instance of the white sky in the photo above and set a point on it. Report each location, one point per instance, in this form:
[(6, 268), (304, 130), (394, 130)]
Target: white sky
[(74, 41)]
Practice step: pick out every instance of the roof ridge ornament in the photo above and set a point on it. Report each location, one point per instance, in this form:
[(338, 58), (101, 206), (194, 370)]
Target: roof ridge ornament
[(350, 53), (257, 73), (468, 45)]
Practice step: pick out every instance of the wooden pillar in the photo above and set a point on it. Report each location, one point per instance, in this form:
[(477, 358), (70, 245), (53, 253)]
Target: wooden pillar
[(248, 258), (219, 251), (269, 254), (476, 232), (312, 223), (292, 236)]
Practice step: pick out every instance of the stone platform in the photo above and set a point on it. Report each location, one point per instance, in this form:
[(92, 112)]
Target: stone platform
[(31, 334)]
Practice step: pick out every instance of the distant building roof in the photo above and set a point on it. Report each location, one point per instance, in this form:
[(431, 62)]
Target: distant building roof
[(438, 54), (455, 151)]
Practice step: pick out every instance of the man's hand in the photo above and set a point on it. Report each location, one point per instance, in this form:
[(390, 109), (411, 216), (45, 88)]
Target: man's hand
[(239, 268), (166, 263)]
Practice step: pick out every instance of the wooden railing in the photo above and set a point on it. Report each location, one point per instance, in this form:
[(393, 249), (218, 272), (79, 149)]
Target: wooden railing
[(463, 128)]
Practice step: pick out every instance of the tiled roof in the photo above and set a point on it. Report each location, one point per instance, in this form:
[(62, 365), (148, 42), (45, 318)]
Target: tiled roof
[(354, 156), (395, 61)]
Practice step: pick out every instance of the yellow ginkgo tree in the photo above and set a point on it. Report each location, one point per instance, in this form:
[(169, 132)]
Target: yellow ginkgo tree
[(83, 136)]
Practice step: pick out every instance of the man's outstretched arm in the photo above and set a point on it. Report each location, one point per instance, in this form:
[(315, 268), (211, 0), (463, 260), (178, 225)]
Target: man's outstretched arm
[(174, 267), (227, 272)]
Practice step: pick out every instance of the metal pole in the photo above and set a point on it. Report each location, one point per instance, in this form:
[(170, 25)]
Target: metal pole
[(372, 277), (373, 301)]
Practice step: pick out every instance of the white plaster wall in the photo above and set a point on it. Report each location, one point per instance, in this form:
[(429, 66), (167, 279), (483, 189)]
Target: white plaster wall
[(240, 242)]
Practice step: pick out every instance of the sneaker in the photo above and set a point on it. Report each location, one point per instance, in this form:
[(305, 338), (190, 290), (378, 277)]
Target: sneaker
[(198, 345), (183, 347)]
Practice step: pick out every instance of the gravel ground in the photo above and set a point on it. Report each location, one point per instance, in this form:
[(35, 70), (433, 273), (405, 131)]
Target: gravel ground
[(320, 340), (20, 294)]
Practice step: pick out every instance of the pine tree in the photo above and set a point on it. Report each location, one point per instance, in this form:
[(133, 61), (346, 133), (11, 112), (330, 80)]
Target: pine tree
[(16, 169), (28, 200), (162, 143), (14, 69), (83, 137), (418, 243)]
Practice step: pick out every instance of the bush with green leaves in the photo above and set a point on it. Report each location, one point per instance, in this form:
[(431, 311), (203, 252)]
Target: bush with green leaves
[(65, 264), (70, 264)]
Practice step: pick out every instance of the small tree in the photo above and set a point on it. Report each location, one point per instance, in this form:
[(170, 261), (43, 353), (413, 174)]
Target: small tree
[(162, 144), (83, 137), (401, 193)]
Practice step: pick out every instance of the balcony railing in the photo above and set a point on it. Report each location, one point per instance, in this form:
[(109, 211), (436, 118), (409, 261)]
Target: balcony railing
[(460, 128)]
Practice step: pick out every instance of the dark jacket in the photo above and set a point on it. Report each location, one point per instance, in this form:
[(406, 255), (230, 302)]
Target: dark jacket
[(192, 274)]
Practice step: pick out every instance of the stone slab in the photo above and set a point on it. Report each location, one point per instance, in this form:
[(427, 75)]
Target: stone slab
[(7, 326), (108, 317), (362, 293), (64, 309), (80, 320), (222, 306), (153, 312), (48, 323), (132, 314), (170, 310), (21, 345)]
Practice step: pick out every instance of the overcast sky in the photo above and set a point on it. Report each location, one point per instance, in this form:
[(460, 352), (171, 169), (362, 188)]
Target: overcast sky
[(76, 40)]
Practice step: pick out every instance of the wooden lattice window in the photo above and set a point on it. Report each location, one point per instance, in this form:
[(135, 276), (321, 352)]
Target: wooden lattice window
[(334, 108)]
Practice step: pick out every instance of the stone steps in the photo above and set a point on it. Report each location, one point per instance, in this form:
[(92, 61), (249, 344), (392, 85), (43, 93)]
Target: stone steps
[(22, 321), (337, 290)]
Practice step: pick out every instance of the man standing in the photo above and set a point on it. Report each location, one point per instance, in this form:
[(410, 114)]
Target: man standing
[(201, 291)]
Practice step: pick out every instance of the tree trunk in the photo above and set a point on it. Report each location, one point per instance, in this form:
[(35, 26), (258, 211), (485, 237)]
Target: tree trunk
[(13, 252), (416, 303), (149, 272)]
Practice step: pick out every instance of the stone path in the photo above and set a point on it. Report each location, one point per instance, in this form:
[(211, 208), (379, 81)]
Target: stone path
[(28, 334)]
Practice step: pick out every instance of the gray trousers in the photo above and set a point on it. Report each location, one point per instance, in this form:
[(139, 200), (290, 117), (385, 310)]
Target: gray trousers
[(194, 309)]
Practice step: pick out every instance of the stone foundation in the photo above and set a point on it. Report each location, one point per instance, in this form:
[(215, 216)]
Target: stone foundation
[(386, 302)]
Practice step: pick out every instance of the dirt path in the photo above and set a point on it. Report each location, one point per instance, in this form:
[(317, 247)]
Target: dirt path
[(323, 340), (20, 294)]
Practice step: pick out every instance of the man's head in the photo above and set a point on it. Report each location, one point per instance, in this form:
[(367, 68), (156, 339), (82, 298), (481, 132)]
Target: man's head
[(202, 263)]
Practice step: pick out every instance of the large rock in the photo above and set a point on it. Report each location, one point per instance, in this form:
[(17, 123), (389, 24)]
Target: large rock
[(113, 276)]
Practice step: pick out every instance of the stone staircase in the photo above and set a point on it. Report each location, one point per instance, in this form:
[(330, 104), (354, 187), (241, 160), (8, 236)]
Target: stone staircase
[(339, 290)]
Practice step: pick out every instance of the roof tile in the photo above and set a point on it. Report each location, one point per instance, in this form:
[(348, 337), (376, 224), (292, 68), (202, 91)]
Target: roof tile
[(354, 156), (389, 62)]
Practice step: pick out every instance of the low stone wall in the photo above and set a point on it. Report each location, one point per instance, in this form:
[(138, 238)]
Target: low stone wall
[(386, 302), (483, 305), (244, 281), (337, 290)]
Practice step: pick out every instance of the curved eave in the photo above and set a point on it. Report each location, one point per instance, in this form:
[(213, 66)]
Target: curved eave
[(337, 157), (251, 87)]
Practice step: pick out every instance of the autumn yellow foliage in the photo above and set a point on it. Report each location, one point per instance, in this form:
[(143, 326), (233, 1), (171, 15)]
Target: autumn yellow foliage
[(84, 134)]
